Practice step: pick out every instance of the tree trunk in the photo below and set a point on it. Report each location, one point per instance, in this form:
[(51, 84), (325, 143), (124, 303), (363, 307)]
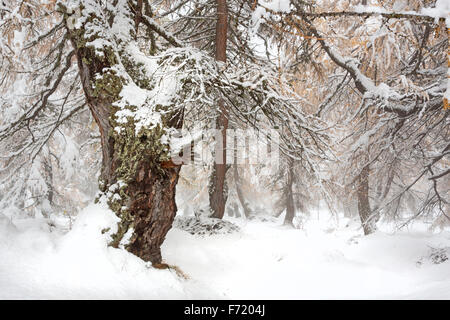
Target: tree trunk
[(363, 201), (290, 206), (137, 176), (240, 194), (218, 190), (217, 198), (153, 208), (237, 213)]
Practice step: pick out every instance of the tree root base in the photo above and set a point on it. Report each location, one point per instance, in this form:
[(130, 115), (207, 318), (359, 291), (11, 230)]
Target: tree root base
[(177, 270)]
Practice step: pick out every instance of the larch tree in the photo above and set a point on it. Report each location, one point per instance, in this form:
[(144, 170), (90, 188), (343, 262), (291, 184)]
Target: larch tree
[(393, 79), (246, 45), (93, 45), (140, 77), (217, 196)]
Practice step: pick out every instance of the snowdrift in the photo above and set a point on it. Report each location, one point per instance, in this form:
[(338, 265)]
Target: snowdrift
[(261, 260)]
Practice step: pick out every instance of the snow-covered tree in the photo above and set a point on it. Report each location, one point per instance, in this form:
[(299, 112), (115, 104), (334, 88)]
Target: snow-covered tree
[(138, 91), (389, 68)]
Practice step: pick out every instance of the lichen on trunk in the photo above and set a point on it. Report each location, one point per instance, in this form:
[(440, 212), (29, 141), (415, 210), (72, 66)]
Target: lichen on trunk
[(144, 197), (138, 189)]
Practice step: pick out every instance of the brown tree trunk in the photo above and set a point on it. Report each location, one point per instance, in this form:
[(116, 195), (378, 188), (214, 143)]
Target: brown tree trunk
[(217, 199), (153, 208), (363, 202), (240, 194), (290, 206)]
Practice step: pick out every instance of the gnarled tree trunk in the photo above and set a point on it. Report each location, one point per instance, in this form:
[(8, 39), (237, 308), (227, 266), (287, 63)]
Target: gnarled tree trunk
[(153, 209), (137, 176)]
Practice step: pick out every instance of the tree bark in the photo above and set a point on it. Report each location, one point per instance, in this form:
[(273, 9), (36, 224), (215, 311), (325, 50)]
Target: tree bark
[(136, 176), (237, 213), (218, 190), (290, 206), (153, 208), (217, 198), (363, 202), (48, 176)]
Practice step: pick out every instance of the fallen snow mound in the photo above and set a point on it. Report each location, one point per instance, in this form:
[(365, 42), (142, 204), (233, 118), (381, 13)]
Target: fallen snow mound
[(40, 262), (264, 260)]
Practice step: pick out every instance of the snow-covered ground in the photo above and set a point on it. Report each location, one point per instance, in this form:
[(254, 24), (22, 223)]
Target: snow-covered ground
[(263, 261)]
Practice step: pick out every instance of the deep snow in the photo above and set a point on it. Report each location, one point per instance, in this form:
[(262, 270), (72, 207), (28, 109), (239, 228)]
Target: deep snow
[(264, 260)]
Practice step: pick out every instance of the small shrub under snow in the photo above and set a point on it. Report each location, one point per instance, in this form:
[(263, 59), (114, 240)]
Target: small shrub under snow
[(202, 225), (435, 256)]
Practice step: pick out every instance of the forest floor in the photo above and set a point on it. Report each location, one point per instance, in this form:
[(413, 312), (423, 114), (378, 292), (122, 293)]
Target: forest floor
[(264, 260)]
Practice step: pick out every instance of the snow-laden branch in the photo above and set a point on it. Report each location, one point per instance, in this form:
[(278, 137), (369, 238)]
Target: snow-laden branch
[(401, 104), (385, 14)]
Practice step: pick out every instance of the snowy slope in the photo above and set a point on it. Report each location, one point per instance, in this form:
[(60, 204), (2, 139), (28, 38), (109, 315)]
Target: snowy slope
[(262, 261)]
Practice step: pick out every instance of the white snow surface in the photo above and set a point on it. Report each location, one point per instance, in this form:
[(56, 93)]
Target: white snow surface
[(265, 260)]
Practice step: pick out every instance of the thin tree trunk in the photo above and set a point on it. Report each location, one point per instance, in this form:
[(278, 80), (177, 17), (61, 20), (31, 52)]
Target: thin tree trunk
[(48, 169), (217, 198), (290, 206), (240, 194), (48, 177), (218, 191), (363, 201), (237, 213), (382, 193)]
